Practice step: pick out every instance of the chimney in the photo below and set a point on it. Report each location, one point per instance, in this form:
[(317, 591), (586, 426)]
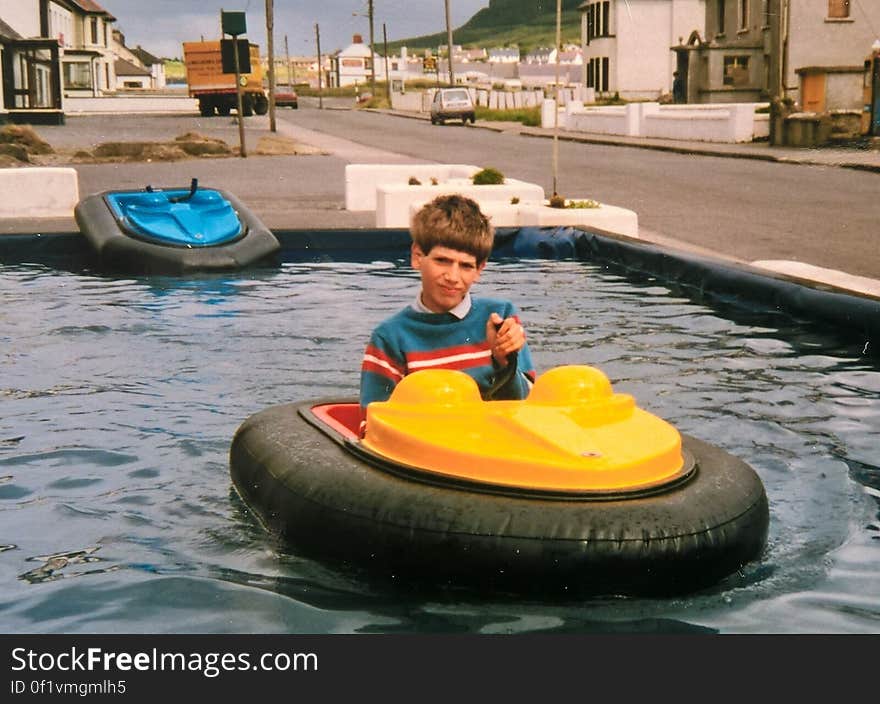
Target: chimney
[(357, 39)]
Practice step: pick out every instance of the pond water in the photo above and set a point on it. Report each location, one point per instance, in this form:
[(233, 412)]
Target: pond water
[(120, 397)]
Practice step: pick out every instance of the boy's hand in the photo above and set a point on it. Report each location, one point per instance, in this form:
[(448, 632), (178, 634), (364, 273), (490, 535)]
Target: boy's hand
[(504, 337)]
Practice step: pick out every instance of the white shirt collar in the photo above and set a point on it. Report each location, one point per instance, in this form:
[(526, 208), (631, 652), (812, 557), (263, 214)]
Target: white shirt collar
[(460, 311)]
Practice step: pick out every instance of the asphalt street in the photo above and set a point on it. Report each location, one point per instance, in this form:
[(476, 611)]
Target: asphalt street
[(308, 191)]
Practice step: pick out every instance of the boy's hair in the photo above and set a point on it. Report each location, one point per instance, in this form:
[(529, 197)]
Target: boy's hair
[(456, 222)]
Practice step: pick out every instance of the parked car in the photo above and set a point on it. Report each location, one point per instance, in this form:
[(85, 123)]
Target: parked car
[(285, 96), (452, 104)]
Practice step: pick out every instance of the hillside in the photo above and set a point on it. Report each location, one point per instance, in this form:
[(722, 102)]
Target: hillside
[(527, 23)]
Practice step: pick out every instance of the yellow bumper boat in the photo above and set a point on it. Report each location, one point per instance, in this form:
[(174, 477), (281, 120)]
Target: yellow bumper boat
[(575, 488)]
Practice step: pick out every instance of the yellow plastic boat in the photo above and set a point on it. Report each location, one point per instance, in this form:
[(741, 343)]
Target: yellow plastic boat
[(574, 489), (572, 434)]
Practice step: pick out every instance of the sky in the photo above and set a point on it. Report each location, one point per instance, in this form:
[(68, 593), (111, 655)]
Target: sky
[(160, 26)]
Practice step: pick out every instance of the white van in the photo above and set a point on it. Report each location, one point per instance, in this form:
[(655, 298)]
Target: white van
[(452, 104)]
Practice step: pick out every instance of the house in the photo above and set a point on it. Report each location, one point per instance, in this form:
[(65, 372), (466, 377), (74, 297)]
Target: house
[(129, 75), (31, 77), (471, 55), (84, 30), (626, 43), (727, 61), (356, 65), (136, 58), (828, 42), (504, 55), (541, 55), (51, 48), (810, 52)]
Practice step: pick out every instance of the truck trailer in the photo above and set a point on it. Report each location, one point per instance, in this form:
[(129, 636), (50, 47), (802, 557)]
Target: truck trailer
[(214, 89)]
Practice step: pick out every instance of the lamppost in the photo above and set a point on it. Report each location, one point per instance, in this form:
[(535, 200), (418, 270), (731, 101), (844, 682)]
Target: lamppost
[(556, 98), (270, 49), (449, 46), (372, 52)]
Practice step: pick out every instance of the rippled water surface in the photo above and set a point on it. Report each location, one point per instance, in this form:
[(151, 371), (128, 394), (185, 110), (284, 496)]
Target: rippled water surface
[(119, 398)]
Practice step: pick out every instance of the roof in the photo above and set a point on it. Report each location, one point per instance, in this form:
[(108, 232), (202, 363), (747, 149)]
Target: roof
[(147, 59), (7, 32), (126, 68), (90, 6)]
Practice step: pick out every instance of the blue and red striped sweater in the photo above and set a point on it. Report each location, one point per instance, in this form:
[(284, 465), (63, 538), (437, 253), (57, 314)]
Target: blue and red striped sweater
[(412, 340)]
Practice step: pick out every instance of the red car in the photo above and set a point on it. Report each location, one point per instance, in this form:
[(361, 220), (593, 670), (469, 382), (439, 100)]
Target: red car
[(285, 96)]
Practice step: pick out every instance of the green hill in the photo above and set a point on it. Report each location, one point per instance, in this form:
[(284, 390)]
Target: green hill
[(526, 23)]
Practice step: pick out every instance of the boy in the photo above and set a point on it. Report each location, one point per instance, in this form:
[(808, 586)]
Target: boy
[(445, 328)]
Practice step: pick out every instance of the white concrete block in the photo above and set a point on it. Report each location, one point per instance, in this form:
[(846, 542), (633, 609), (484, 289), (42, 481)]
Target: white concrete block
[(609, 218), (393, 201), (38, 192), (500, 213), (537, 213), (361, 180)]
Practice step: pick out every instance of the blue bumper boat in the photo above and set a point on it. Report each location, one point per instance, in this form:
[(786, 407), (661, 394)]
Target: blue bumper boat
[(174, 231)]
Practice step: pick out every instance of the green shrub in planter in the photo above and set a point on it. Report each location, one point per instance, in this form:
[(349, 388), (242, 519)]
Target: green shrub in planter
[(488, 177)]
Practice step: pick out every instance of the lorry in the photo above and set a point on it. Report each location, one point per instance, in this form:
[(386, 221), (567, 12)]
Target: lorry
[(214, 89)]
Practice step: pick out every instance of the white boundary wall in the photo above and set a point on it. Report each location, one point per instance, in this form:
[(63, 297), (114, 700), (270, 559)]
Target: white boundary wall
[(732, 122), (133, 104)]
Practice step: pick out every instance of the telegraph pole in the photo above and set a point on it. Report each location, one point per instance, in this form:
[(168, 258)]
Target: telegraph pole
[(449, 46), (320, 91), (289, 66), (556, 100), (270, 48), (387, 75), (372, 53)]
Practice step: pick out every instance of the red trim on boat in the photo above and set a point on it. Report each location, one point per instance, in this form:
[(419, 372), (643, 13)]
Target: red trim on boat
[(344, 418)]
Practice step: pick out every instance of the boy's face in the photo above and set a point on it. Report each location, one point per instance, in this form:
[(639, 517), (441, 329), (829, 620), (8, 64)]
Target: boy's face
[(447, 276)]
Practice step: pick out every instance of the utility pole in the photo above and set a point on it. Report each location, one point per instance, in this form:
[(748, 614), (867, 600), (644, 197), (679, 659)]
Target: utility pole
[(449, 46), (270, 48), (372, 52), (387, 75), (289, 65), (320, 90), (239, 101), (556, 99), (779, 108)]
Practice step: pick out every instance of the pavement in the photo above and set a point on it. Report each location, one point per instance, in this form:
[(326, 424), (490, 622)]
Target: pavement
[(287, 200)]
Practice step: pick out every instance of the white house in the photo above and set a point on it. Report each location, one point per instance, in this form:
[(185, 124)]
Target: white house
[(626, 43), (84, 30), (52, 48), (352, 65), (504, 55), (138, 58), (130, 75)]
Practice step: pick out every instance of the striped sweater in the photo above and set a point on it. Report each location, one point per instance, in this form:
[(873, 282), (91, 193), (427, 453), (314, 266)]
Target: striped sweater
[(411, 340)]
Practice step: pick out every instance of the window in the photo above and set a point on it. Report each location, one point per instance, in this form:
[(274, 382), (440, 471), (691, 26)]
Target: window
[(597, 74), (736, 70), (722, 10), (766, 13), (77, 76), (94, 28), (743, 14), (598, 20), (838, 9)]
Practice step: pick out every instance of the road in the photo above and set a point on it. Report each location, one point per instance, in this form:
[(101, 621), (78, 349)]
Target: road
[(743, 208)]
